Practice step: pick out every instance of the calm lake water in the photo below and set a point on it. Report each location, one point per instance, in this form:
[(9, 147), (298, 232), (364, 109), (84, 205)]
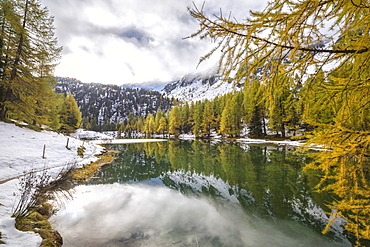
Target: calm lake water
[(181, 193)]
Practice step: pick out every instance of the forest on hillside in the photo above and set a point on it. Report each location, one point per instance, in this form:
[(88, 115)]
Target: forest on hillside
[(105, 107), (228, 115)]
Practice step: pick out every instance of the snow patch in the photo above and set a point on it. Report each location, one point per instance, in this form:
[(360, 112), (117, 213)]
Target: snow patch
[(90, 135), (21, 150)]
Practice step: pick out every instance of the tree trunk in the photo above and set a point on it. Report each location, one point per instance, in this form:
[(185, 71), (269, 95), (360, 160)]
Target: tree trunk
[(264, 126), (282, 130), (4, 109), (20, 44)]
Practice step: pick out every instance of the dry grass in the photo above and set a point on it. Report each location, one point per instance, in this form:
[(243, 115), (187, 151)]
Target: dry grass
[(37, 217), (37, 221), (87, 171)]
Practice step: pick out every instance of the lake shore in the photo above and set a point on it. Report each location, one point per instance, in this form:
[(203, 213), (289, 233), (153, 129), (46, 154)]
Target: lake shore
[(78, 175), (22, 152)]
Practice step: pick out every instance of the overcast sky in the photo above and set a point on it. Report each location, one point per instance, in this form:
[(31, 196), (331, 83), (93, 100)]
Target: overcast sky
[(134, 41)]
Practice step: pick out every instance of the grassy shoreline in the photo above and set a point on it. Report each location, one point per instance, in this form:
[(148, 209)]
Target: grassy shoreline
[(37, 219)]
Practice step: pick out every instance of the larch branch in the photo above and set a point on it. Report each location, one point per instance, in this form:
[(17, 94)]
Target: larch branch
[(305, 49)]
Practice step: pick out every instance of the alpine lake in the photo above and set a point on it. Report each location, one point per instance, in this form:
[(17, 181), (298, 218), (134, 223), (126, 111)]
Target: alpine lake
[(201, 193)]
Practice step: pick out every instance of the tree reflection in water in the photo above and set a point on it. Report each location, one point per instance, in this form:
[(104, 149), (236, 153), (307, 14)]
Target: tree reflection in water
[(267, 181), (346, 173)]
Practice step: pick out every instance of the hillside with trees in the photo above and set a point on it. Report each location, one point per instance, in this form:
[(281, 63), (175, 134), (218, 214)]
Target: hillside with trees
[(106, 107), (229, 116)]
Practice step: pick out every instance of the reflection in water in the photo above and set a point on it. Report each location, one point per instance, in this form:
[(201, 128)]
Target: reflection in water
[(346, 173), (142, 215), (231, 195)]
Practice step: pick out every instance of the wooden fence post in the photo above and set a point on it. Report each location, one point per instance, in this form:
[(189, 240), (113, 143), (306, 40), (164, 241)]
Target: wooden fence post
[(43, 152)]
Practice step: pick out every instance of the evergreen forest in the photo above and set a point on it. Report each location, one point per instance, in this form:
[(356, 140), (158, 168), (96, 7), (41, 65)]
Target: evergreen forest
[(106, 107)]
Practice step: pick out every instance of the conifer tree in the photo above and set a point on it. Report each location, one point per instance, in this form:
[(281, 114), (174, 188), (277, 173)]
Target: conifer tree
[(219, 104), (149, 127), (197, 116), (158, 116), (163, 125), (238, 112), (9, 25), (129, 126), (185, 118), (226, 119), (140, 124), (276, 104), (254, 108), (231, 117), (70, 115), (208, 118), (174, 121), (28, 54), (49, 107)]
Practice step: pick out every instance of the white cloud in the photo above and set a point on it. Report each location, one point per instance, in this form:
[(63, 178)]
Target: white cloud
[(133, 41)]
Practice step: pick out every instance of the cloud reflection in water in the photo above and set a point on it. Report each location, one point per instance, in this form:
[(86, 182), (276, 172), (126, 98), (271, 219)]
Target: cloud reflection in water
[(142, 215)]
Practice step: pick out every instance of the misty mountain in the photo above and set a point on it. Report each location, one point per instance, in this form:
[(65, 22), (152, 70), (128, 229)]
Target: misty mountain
[(198, 87), (152, 85), (102, 104)]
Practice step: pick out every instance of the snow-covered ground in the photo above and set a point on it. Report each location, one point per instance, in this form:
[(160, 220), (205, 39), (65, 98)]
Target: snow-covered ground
[(21, 150), (123, 141), (263, 141), (90, 135)]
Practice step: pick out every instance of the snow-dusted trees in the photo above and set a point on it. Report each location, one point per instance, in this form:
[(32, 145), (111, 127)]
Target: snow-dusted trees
[(105, 106)]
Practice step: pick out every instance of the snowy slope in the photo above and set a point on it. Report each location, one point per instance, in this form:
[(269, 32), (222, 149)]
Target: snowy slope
[(21, 150), (196, 87)]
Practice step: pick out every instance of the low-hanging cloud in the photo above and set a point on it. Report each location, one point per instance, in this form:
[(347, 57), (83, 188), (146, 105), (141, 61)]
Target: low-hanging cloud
[(135, 35)]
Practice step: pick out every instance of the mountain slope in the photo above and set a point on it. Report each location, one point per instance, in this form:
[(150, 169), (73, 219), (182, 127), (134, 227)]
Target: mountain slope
[(108, 104), (196, 87)]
